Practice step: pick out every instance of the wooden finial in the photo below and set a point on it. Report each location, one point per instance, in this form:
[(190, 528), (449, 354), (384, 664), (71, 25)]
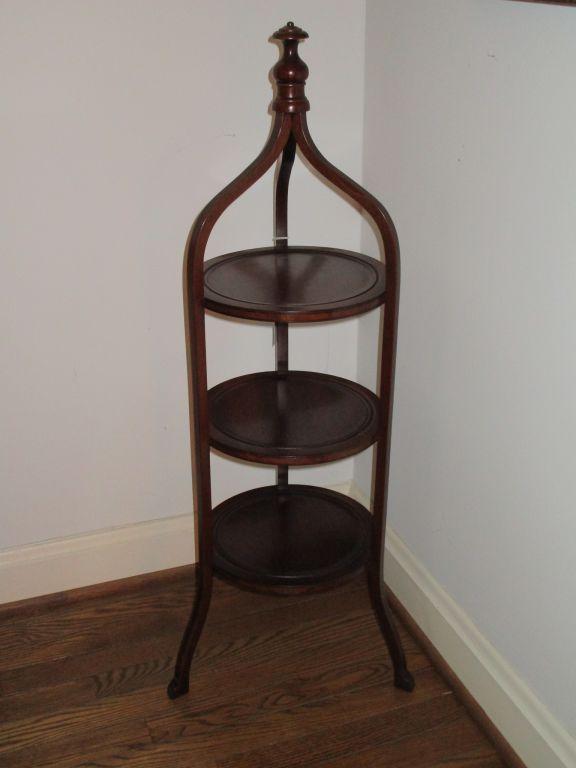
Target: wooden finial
[(290, 72)]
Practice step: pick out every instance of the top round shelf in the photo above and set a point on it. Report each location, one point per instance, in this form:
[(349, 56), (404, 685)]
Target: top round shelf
[(294, 284)]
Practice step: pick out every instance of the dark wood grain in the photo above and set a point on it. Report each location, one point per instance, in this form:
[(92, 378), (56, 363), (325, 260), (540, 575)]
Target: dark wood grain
[(295, 284), (290, 536), (30, 646), (297, 417), (303, 681), (377, 739)]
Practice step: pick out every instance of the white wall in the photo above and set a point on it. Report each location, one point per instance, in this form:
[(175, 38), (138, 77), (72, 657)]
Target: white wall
[(119, 121), (470, 141)]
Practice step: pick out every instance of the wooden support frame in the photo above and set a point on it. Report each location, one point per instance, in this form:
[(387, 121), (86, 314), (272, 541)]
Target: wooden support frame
[(289, 131)]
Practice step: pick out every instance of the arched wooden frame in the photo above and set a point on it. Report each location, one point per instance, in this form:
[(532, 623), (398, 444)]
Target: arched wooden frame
[(289, 130)]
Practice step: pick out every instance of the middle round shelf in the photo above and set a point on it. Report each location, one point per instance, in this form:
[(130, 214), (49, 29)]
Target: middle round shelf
[(291, 418)]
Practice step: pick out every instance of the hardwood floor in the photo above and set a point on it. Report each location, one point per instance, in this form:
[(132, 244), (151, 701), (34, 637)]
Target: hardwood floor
[(277, 682)]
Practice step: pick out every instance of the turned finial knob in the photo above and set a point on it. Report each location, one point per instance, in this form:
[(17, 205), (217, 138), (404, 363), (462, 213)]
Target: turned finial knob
[(290, 72)]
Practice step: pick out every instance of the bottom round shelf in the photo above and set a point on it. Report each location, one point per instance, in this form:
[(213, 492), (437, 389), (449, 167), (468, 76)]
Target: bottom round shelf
[(292, 536)]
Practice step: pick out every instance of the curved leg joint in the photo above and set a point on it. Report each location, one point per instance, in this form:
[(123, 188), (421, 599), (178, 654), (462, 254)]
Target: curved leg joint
[(402, 677), (179, 684)]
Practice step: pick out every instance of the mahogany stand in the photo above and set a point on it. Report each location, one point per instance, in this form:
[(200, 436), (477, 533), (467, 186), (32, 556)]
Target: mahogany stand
[(286, 536)]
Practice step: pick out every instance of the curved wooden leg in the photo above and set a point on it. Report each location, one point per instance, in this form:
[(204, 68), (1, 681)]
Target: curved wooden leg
[(179, 684), (402, 677)]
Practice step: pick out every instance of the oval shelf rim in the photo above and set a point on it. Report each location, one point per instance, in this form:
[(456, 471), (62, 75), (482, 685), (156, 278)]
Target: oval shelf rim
[(359, 301), (230, 437)]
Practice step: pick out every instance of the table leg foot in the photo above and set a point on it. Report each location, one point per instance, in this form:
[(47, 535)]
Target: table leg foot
[(177, 688), (179, 684), (404, 679)]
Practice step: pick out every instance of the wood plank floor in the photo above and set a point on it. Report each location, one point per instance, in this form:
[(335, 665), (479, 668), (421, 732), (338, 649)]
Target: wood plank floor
[(277, 682)]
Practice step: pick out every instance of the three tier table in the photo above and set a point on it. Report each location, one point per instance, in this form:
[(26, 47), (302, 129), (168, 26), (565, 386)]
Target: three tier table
[(286, 537)]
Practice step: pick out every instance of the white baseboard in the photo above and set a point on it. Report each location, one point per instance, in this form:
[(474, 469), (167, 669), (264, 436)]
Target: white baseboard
[(79, 561), (526, 724)]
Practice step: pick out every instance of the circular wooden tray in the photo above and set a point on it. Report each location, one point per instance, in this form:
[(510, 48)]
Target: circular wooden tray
[(292, 536), (293, 284), (297, 417)]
